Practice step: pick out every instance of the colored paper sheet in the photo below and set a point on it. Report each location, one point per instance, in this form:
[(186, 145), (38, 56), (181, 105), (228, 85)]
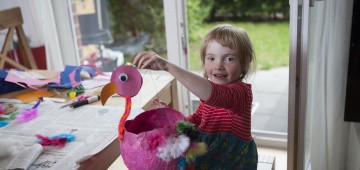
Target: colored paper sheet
[(34, 96)]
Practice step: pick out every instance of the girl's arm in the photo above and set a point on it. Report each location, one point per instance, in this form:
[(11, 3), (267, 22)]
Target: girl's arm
[(196, 84)]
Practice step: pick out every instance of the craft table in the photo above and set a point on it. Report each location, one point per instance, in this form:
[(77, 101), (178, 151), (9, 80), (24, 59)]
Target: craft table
[(156, 84)]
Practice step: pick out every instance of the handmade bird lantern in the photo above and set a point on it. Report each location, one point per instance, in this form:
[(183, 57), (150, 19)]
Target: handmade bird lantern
[(142, 138), (125, 81)]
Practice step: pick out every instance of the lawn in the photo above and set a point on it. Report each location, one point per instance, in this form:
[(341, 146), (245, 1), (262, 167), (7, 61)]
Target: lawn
[(270, 41)]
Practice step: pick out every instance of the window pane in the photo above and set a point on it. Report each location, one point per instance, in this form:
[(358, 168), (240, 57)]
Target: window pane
[(110, 32)]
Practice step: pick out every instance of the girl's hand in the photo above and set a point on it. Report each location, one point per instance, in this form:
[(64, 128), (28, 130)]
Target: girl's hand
[(150, 60)]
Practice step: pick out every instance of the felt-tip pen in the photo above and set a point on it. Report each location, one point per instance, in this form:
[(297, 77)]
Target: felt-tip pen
[(85, 101)]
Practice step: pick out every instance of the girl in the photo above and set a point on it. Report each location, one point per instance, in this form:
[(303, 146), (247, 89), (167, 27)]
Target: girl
[(224, 113)]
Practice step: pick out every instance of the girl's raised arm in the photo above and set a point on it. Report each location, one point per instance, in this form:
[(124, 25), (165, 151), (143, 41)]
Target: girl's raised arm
[(196, 84)]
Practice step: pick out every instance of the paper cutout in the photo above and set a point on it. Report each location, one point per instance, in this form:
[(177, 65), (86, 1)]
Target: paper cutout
[(7, 87), (71, 76), (34, 96), (29, 79), (45, 74), (107, 91), (127, 80)]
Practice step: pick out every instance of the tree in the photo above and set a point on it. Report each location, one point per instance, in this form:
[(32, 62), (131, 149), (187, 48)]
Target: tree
[(130, 18), (247, 9)]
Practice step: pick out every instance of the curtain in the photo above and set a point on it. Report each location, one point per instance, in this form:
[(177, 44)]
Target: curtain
[(40, 29), (326, 134)]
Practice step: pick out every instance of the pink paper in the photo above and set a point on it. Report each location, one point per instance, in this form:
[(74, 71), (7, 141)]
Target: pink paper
[(131, 86), (24, 77)]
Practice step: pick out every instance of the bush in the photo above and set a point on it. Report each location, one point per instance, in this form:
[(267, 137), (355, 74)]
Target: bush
[(196, 14)]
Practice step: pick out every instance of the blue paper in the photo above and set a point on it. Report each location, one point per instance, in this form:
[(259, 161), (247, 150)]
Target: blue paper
[(7, 87), (65, 81)]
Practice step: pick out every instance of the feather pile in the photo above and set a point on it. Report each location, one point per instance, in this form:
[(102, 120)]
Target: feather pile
[(174, 148), (185, 147)]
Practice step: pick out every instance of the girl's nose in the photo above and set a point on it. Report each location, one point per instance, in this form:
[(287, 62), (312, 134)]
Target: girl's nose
[(219, 65)]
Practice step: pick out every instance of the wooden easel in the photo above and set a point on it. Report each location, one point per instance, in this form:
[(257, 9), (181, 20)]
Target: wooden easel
[(12, 20)]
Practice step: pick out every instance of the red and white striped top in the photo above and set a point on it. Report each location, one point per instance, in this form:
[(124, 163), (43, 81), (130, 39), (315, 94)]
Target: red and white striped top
[(228, 109)]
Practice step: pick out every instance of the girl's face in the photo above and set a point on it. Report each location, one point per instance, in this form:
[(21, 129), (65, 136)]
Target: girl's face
[(221, 65)]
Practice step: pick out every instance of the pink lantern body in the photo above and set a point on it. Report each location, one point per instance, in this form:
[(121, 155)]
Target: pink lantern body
[(144, 134)]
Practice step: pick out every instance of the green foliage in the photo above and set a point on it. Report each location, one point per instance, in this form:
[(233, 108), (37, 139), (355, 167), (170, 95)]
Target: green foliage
[(247, 9), (270, 41), (196, 13), (130, 18)]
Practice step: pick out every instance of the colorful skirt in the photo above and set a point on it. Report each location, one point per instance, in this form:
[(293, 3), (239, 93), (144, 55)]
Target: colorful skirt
[(227, 151)]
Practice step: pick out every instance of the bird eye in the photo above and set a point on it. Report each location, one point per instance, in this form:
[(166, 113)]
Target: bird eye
[(123, 77)]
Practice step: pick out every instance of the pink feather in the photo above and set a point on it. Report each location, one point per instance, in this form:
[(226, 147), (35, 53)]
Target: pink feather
[(45, 141), (27, 115)]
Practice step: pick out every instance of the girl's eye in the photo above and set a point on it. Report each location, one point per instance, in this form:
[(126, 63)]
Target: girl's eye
[(229, 59), (210, 58), (123, 77)]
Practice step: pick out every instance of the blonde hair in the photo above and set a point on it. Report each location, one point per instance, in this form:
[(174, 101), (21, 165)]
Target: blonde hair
[(235, 39)]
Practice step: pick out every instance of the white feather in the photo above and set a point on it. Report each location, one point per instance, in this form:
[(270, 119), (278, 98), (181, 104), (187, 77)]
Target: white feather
[(174, 148)]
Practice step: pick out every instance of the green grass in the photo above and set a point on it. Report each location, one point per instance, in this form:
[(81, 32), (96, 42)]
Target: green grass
[(270, 41)]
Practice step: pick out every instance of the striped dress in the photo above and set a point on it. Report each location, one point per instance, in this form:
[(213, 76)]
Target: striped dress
[(224, 121)]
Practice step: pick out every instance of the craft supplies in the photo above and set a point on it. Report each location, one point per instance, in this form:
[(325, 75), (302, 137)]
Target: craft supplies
[(30, 79), (196, 147), (5, 116), (175, 147), (28, 114), (34, 96), (85, 101), (9, 117), (57, 140), (3, 123), (146, 134), (9, 108), (2, 109), (7, 87), (125, 81), (53, 99), (79, 98), (72, 93)]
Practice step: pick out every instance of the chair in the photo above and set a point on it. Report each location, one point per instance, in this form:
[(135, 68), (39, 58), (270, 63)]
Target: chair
[(12, 20)]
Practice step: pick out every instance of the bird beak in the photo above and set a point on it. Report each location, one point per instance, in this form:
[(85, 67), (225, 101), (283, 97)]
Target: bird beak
[(107, 91)]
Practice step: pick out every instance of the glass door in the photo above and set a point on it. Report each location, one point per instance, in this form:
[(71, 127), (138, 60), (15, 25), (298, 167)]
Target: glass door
[(108, 33), (270, 38)]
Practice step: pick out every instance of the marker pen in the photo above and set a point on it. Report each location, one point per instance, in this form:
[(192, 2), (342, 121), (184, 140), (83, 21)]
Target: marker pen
[(85, 101)]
